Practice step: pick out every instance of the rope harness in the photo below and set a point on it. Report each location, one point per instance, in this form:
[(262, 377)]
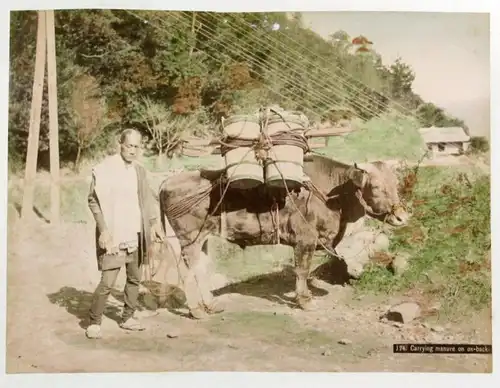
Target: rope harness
[(261, 147)]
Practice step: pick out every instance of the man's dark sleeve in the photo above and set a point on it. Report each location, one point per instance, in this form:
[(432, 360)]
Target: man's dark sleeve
[(95, 208)]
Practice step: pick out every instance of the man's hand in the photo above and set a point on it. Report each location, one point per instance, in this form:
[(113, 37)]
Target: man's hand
[(105, 242), (157, 234)]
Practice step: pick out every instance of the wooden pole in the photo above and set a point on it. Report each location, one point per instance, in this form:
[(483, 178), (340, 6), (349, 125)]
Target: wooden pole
[(55, 201), (36, 110)]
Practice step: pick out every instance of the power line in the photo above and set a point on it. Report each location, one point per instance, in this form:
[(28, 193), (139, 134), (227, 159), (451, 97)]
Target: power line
[(222, 63), (315, 92), (322, 97), (343, 71), (216, 59), (330, 75)]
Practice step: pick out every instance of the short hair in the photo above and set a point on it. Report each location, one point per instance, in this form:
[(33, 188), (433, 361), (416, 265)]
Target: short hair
[(126, 132)]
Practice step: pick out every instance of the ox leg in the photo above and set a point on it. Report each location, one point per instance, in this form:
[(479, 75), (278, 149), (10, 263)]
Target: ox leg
[(192, 289), (199, 297), (303, 259)]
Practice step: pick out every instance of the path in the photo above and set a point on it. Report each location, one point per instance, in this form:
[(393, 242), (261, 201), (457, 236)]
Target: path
[(51, 276)]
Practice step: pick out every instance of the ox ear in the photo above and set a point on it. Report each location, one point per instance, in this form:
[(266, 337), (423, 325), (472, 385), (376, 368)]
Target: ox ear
[(358, 176)]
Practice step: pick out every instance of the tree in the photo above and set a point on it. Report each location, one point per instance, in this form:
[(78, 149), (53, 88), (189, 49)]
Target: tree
[(401, 79), (165, 128), (89, 115), (227, 63)]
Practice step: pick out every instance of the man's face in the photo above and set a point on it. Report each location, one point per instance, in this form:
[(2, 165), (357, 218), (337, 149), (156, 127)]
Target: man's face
[(129, 149)]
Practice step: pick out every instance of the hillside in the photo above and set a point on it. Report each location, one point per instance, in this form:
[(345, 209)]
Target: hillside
[(180, 72)]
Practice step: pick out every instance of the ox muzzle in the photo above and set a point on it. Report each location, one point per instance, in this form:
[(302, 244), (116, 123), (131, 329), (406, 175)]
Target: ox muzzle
[(396, 216)]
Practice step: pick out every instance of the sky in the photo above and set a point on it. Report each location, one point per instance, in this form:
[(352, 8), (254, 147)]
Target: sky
[(449, 52)]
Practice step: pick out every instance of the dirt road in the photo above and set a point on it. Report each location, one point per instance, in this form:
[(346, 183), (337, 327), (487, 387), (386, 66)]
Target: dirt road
[(52, 272)]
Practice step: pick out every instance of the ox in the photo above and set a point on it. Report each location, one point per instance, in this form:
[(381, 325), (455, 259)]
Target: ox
[(310, 218)]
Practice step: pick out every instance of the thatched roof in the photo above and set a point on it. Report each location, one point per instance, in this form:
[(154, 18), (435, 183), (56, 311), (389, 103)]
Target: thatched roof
[(444, 135)]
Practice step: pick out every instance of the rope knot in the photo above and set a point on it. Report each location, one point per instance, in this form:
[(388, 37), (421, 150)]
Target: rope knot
[(261, 147)]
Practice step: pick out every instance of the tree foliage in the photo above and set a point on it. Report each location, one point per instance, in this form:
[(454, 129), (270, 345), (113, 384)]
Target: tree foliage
[(199, 67)]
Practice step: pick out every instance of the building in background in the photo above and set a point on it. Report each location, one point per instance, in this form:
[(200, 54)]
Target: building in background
[(445, 141)]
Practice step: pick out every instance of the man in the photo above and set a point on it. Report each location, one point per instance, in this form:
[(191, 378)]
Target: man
[(122, 204)]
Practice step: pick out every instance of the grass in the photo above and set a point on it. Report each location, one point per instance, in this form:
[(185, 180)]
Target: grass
[(387, 137), (73, 198), (241, 264), (448, 240), (74, 189), (268, 327)]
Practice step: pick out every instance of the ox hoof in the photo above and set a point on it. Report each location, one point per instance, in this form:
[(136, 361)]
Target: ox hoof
[(307, 304), (198, 313), (214, 308)]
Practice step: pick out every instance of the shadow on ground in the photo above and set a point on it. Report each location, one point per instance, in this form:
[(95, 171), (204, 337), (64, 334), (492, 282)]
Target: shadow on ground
[(77, 302), (36, 211), (275, 285), (333, 272)]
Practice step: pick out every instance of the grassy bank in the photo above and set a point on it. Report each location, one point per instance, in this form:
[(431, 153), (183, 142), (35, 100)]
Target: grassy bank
[(387, 137), (448, 241)]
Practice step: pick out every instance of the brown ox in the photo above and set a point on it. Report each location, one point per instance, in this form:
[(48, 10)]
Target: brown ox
[(308, 219)]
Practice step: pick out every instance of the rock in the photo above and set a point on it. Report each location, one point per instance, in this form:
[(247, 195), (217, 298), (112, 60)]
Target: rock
[(172, 334), (404, 312), (357, 246), (326, 352), (355, 227), (355, 269), (345, 341), (437, 329), (381, 242), (400, 263)]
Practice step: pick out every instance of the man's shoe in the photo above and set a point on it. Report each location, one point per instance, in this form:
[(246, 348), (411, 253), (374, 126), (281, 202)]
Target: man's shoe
[(93, 332), (132, 324)]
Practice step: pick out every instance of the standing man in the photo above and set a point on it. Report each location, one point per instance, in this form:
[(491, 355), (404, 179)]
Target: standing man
[(122, 204)]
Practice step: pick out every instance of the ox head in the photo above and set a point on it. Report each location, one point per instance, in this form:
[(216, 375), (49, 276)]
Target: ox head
[(377, 191)]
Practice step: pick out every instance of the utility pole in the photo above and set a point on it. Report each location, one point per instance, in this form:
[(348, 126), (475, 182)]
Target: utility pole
[(36, 111), (45, 51), (55, 196)]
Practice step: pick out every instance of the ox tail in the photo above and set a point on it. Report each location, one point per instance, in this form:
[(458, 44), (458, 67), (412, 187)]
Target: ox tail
[(162, 210), (162, 196)]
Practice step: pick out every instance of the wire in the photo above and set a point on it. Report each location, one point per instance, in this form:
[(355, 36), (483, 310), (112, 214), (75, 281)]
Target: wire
[(315, 92), (222, 63), (339, 68), (276, 43)]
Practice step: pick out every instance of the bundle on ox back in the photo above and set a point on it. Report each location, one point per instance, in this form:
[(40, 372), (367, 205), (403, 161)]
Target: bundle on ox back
[(312, 216)]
